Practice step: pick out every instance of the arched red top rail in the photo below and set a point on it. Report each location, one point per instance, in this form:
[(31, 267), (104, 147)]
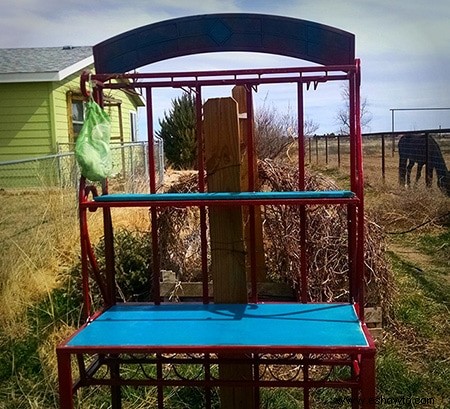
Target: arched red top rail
[(285, 36)]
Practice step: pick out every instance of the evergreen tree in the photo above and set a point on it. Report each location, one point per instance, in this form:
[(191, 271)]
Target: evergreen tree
[(178, 133)]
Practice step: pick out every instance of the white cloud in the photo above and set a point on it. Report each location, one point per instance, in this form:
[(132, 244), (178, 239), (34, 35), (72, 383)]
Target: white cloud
[(26, 23)]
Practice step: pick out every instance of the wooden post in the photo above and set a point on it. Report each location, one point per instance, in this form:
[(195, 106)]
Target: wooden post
[(222, 153), (223, 159), (240, 95)]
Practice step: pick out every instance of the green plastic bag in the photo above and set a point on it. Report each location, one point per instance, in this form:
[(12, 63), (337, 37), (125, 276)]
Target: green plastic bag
[(92, 149)]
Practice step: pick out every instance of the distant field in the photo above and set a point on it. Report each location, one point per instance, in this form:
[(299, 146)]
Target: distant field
[(334, 154)]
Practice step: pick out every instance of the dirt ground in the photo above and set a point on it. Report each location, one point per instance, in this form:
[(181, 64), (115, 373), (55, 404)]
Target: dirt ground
[(423, 263)]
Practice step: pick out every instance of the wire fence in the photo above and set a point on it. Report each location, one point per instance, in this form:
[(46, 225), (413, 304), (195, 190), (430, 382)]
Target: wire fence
[(130, 168), (381, 156), (130, 162)]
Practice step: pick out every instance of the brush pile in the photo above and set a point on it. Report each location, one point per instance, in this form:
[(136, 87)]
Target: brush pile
[(326, 244)]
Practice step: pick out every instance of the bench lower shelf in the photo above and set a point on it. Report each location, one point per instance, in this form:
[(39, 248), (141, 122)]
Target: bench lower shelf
[(222, 326), (160, 341)]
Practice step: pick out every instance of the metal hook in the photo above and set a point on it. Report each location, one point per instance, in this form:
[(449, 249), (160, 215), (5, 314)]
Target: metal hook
[(85, 77)]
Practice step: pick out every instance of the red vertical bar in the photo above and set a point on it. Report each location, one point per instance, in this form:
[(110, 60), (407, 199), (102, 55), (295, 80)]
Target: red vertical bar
[(367, 381), (98, 95), (207, 366), (361, 230), (84, 252), (151, 142), (352, 253), (153, 212), (352, 136), (64, 379), (352, 210), (84, 269), (253, 278), (359, 148), (256, 377), (301, 137), (356, 220), (355, 391), (306, 394), (250, 140), (108, 229), (200, 138), (339, 150), (201, 188), (251, 188), (155, 256), (159, 377), (115, 390), (109, 257), (84, 77), (301, 186)]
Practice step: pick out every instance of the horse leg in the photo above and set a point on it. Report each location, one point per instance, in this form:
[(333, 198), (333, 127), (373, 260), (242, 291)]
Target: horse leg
[(419, 171), (408, 172), (402, 170), (428, 175), (446, 183)]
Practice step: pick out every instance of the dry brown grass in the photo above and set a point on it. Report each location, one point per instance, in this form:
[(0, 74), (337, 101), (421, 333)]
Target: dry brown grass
[(39, 242), (38, 239), (405, 210)]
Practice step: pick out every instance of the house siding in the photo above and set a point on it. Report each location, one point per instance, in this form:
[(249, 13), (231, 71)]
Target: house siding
[(34, 118), (35, 122), (25, 121)]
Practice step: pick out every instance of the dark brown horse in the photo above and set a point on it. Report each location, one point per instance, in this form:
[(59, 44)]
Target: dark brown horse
[(423, 150)]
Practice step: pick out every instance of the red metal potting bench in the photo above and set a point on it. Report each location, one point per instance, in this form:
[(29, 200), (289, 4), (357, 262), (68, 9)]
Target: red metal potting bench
[(158, 337)]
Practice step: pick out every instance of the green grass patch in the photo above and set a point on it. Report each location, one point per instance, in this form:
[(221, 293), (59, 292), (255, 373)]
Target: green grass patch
[(417, 305), (432, 275), (437, 246), (394, 375), (413, 360)]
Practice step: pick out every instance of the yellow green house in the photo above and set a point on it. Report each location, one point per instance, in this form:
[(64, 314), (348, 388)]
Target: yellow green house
[(41, 106)]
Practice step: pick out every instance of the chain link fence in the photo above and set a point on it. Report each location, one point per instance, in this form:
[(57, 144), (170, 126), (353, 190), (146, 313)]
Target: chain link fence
[(130, 168)]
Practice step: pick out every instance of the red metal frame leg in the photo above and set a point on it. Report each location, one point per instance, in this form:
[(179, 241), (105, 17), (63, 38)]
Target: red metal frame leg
[(367, 380), (116, 393), (65, 380)]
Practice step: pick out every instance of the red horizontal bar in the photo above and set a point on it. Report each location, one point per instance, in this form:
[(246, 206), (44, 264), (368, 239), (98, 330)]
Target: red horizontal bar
[(228, 81), (243, 202), (216, 349), (234, 73), (221, 382)]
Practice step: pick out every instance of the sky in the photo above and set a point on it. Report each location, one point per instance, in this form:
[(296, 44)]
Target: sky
[(404, 47)]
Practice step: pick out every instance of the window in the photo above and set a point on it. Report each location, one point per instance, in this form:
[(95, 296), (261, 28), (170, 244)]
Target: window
[(76, 113), (133, 126), (77, 116)]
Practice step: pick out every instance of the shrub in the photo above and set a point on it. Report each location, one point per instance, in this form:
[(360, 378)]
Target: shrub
[(132, 251), (178, 133)]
